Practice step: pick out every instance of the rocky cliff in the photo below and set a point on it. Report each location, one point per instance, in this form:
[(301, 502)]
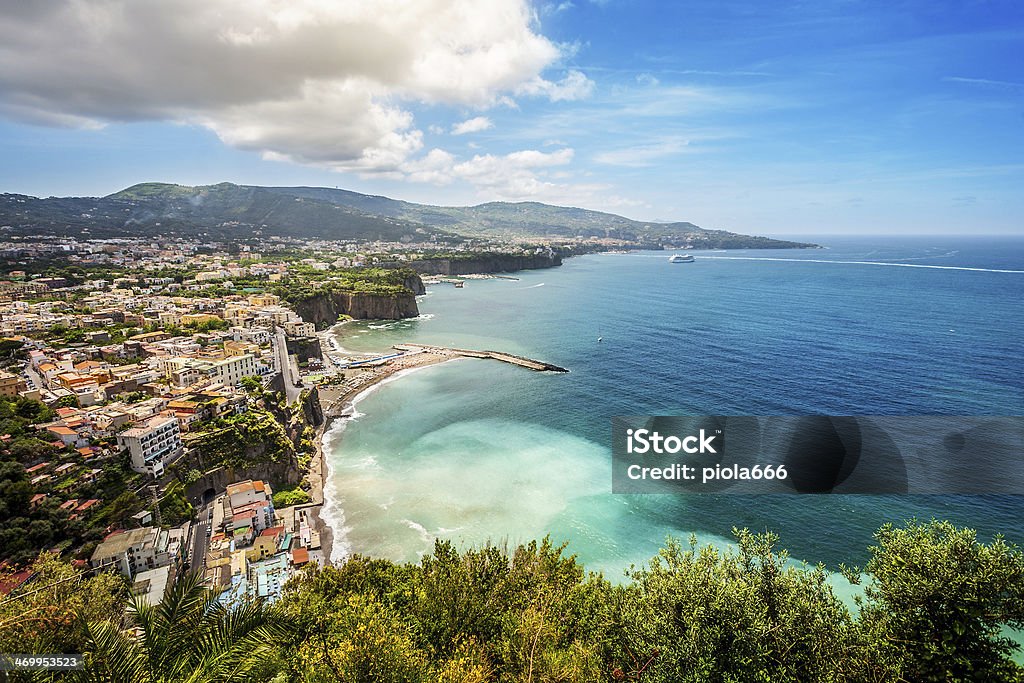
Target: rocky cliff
[(325, 310), (277, 449), (484, 263)]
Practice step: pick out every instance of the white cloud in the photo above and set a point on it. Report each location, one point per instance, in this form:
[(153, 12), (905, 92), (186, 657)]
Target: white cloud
[(310, 81), (643, 155), (473, 125), (575, 86)]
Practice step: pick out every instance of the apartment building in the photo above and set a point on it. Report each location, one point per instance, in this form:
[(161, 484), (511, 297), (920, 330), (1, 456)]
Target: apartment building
[(153, 444)]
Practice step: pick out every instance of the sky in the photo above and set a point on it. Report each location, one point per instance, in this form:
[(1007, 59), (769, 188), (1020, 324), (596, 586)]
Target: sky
[(780, 118)]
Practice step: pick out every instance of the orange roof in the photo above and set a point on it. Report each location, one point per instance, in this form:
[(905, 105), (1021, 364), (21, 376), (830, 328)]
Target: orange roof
[(272, 531), (300, 556), (63, 431)]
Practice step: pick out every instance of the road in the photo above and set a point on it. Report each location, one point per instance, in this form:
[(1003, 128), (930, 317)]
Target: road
[(200, 539), (289, 372)]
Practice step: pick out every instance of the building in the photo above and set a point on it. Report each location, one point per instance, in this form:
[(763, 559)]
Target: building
[(230, 371), (133, 551), (184, 372), (11, 385), (153, 585), (153, 444), (250, 509)]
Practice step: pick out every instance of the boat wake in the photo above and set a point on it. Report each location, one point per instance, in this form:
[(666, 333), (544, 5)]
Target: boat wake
[(864, 263)]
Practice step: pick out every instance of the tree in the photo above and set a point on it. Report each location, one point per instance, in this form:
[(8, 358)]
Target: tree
[(189, 636), (743, 614), (174, 506), (252, 385), (936, 602), (47, 613)]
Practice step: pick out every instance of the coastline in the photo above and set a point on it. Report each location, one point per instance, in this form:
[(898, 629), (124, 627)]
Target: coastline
[(339, 402)]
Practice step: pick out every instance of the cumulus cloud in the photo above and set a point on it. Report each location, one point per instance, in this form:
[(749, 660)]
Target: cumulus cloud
[(473, 125), (310, 81)]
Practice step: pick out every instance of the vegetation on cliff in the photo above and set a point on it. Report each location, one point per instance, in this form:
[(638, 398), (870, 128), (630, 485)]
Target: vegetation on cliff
[(253, 437), (935, 601), (322, 297)]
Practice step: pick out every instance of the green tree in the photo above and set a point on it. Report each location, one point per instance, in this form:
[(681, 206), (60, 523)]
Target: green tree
[(47, 614), (187, 637), (365, 642), (252, 385), (935, 603), (174, 506), (743, 614)]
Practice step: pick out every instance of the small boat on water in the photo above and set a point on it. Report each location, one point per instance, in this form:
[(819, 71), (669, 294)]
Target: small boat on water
[(679, 258)]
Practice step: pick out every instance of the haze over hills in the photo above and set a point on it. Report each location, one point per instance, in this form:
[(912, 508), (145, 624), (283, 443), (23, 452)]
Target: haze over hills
[(228, 211)]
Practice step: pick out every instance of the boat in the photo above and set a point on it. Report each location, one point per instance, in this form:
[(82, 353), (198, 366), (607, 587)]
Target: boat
[(679, 258)]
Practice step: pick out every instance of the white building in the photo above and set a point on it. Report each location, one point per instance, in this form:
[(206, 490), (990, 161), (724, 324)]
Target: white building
[(297, 328), (153, 444), (231, 370)]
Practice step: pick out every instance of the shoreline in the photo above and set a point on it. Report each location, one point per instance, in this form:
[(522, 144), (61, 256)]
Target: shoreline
[(338, 402)]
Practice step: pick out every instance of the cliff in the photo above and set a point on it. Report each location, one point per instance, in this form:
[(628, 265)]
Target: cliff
[(483, 263), (275, 445), (325, 310)]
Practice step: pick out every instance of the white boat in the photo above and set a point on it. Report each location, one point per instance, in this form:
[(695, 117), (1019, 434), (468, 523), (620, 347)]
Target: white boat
[(679, 258)]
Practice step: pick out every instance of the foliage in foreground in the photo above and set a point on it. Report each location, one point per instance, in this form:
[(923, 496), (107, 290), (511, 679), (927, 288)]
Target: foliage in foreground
[(934, 603)]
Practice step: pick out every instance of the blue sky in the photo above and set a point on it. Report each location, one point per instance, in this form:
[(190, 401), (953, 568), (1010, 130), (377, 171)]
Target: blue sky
[(759, 117)]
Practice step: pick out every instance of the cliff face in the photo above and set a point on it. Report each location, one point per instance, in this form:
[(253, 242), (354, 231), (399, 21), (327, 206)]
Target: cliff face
[(324, 311), (415, 285), (485, 263)]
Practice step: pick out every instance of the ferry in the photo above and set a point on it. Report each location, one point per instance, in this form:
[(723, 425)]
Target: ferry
[(679, 258)]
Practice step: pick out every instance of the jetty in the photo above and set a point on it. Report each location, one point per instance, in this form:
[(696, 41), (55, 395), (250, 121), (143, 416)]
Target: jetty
[(537, 365), (338, 397)]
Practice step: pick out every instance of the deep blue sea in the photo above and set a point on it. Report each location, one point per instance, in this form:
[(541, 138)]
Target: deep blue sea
[(477, 450)]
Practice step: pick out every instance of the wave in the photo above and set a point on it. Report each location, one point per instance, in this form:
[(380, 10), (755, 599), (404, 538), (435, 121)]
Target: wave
[(863, 263), (540, 284)]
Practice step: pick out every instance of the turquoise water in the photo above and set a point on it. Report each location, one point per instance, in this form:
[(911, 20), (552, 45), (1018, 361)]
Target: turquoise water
[(478, 450)]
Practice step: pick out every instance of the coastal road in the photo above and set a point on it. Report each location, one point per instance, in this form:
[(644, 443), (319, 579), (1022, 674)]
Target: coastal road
[(288, 370)]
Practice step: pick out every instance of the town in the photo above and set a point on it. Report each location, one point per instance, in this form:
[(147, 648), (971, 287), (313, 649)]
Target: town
[(162, 403)]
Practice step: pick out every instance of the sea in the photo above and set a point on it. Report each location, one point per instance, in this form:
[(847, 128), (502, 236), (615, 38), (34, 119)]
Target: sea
[(479, 451)]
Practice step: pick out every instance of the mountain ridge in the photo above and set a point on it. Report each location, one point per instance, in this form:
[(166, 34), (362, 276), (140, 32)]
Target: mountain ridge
[(231, 211)]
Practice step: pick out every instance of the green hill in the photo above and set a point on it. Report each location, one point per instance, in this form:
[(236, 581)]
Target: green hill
[(228, 211)]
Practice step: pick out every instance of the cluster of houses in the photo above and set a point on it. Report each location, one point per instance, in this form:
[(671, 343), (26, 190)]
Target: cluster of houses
[(141, 395), (251, 549)]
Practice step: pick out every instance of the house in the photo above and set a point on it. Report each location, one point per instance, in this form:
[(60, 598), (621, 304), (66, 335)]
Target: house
[(11, 385), (269, 542), (67, 437)]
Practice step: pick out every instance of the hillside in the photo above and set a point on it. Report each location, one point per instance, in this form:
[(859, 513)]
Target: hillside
[(227, 211), (223, 211)]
